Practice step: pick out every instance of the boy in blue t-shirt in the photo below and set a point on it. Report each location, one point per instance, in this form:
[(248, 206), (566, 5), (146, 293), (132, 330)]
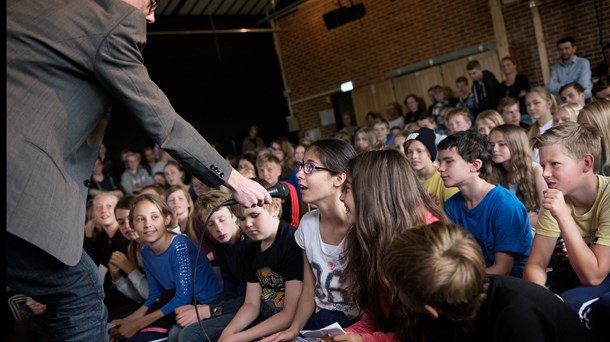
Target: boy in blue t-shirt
[(492, 214)]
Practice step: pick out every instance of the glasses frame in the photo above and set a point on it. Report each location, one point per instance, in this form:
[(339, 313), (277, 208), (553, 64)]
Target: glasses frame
[(305, 166)]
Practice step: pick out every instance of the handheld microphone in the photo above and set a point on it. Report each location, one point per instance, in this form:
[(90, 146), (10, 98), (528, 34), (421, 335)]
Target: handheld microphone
[(279, 190)]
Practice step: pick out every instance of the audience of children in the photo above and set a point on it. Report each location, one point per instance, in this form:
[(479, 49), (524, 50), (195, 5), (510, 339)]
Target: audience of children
[(385, 190), (169, 261)]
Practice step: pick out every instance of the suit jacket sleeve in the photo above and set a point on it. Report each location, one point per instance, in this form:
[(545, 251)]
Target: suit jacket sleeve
[(119, 66)]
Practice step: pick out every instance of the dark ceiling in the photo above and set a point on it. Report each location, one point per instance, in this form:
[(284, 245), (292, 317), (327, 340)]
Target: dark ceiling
[(254, 8)]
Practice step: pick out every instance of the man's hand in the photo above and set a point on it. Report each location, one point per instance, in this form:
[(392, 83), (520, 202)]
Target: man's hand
[(246, 191)]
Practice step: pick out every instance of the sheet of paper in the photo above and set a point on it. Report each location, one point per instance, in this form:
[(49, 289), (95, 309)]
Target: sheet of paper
[(331, 330)]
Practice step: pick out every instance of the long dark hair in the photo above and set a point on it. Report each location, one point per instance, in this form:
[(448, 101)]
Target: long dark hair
[(388, 199)]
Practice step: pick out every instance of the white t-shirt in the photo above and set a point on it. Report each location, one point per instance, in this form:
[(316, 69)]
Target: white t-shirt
[(325, 261), (398, 122)]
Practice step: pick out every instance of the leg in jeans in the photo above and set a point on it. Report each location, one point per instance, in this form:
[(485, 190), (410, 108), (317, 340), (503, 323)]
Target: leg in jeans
[(73, 294), (192, 333)]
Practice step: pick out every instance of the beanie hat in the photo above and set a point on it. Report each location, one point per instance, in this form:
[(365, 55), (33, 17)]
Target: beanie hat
[(427, 137)]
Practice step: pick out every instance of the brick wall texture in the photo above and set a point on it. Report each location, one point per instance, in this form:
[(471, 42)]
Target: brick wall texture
[(398, 33)]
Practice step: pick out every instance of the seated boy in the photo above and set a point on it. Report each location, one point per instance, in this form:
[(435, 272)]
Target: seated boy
[(440, 276), (427, 120), (508, 107), (230, 246), (420, 150), (576, 206), (382, 132), (269, 169), (274, 274), (494, 215), (458, 120)]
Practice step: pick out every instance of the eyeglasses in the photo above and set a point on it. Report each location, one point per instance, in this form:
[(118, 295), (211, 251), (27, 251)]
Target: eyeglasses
[(309, 167), (153, 6)]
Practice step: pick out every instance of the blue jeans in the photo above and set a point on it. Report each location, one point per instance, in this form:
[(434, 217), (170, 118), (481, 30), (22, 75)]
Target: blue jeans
[(192, 333), (73, 294)]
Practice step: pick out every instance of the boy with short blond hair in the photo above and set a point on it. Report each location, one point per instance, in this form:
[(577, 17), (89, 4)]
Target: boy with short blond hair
[(458, 120), (381, 127), (576, 207), (269, 168), (274, 273)]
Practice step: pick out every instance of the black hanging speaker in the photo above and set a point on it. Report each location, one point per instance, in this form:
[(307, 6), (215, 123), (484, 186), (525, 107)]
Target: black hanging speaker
[(343, 15)]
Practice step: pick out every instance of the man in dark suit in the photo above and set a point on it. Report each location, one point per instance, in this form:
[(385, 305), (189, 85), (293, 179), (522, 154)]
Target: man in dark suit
[(67, 60)]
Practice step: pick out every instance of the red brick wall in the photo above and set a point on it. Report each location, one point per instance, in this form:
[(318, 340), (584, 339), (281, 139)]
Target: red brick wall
[(575, 18), (398, 33)]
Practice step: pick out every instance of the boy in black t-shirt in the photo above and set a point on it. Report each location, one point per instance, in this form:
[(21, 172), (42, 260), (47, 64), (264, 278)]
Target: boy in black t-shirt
[(274, 273)]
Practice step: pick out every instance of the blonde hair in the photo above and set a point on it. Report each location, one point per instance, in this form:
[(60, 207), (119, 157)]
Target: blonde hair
[(546, 96), (576, 140), (571, 108), (490, 115), (439, 264), (374, 144), (458, 111), (598, 114)]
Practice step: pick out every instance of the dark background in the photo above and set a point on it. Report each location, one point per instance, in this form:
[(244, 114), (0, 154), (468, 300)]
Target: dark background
[(221, 83)]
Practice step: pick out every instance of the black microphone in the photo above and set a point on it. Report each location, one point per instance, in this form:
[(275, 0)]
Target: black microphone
[(279, 190)]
